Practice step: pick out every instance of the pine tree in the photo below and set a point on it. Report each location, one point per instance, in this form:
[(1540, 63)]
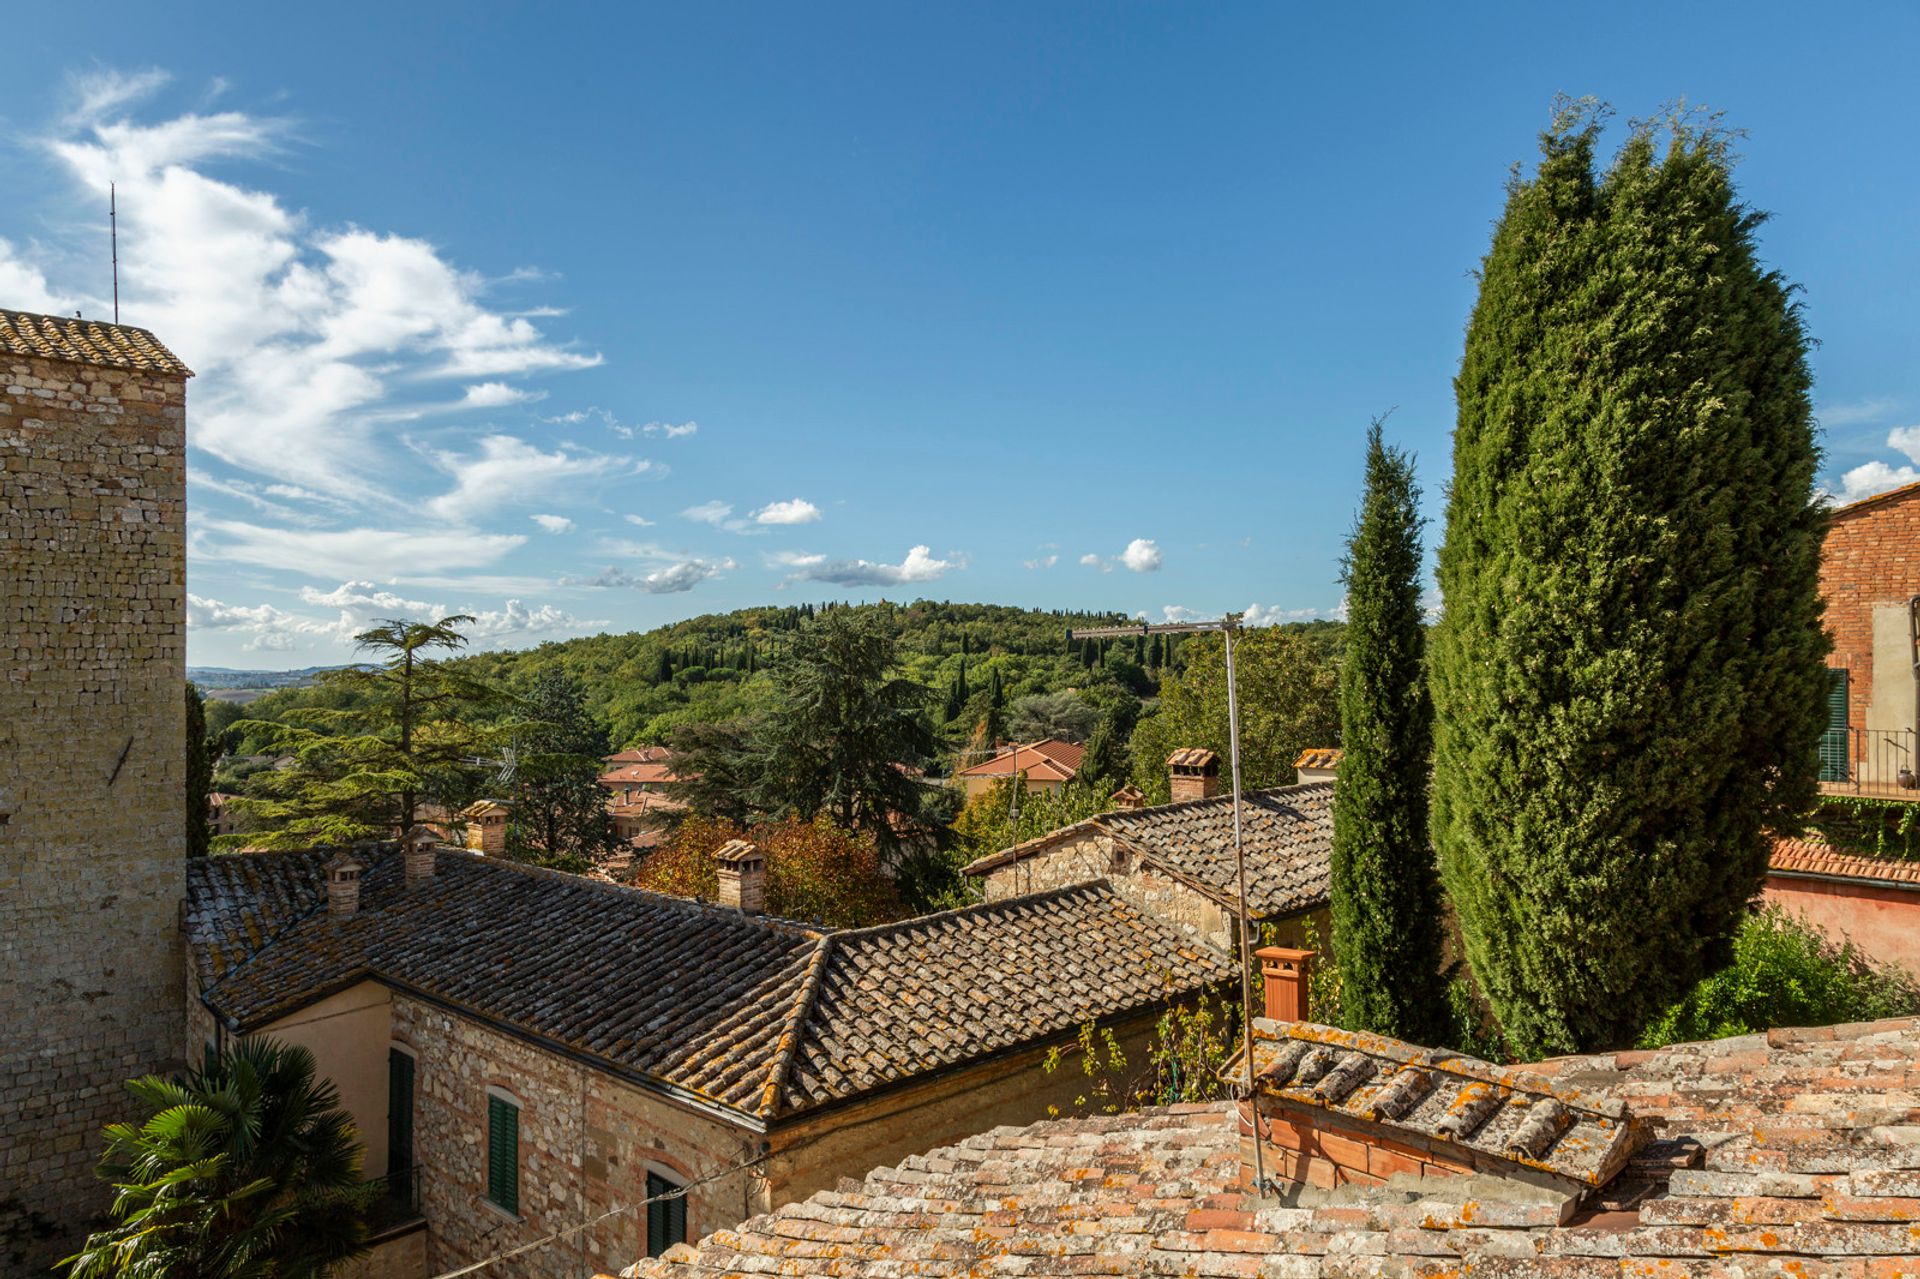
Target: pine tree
[(559, 809), (1386, 890), (1628, 675)]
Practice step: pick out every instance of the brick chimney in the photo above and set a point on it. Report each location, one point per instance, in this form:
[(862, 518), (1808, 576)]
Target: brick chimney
[(421, 846), (1285, 976), (486, 827), (1129, 798), (343, 884), (743, 876), (1317, 764), (1193, 773)]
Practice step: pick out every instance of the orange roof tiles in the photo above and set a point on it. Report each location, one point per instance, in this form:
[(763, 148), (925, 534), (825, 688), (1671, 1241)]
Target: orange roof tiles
[(65, 337), (1319, 757), (1048, 759), (1891, 495), (1807, 857)]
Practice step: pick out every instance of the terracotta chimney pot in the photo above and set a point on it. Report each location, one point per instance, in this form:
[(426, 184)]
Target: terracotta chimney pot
[(1285, 976), (743, 876), (1129, 798), (343, 884), (421, 847), (1193, 772)]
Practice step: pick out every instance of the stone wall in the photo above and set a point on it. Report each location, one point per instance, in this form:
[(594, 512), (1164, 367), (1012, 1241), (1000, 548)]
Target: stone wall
[(92, 831), (1871, 557)]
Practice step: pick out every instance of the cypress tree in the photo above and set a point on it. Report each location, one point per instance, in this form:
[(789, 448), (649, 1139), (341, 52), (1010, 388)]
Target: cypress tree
[(199, 774), (1386, 890), (1628, 676)]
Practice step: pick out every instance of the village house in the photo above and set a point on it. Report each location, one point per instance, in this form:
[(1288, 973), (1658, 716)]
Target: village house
[(524, 1050), (1175, 861), (1792, 1152), (1044, 767), (640, 770)]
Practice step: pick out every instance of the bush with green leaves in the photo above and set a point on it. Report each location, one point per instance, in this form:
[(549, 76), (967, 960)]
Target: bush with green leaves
[(1784, 974)]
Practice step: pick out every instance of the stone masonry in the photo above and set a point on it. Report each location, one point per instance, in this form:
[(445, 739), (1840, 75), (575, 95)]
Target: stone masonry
[(92, 841)]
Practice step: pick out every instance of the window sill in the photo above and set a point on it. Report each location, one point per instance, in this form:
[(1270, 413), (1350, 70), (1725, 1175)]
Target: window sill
[(493, 1207)]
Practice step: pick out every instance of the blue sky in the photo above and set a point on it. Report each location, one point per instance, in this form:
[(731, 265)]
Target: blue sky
[(595, 317)]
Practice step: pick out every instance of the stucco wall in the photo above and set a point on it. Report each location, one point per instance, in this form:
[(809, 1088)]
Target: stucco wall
[(349, 1034), (92, 720), (1883, 922)]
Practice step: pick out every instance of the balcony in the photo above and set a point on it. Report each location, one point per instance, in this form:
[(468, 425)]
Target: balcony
[(1871, 762), (398, 1204)]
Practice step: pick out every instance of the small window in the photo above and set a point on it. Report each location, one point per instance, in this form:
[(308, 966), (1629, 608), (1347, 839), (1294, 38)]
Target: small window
[(666, 1217), (503, 1153)]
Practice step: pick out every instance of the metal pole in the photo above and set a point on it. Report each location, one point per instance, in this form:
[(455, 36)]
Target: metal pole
[(113, 224)]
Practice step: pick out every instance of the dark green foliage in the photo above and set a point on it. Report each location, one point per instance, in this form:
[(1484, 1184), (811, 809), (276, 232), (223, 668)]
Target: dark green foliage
[(1783, 974), (1628, 677), (1064, 715), (1386, 890), (370, 743), (1105, 766), (1869, 827), (199, 775), (246, 1168), (558, 809)]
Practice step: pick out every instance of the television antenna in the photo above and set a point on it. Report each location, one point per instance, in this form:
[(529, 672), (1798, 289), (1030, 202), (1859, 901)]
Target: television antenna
[(1228, 626), (113, 234)]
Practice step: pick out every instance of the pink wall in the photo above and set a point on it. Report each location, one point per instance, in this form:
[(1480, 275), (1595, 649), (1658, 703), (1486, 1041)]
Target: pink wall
[(1882, 922)]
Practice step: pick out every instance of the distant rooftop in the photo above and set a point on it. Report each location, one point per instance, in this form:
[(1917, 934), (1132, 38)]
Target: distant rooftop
[(1048, 759), (66, 337)]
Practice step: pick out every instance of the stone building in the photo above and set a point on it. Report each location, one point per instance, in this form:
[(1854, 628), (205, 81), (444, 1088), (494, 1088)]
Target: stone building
[(92, 720), (1176, 862), (539, 1050)]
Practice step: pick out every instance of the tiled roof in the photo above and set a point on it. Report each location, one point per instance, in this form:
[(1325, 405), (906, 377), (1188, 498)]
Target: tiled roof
[(1319, 757), (655, 773), (1878, 499), (1789, 1153), (1483, 1115), (1806, 857), (1286, 832), (1049, 759), (640, 755), (1193, 757), (64, 337), (761, 1015)]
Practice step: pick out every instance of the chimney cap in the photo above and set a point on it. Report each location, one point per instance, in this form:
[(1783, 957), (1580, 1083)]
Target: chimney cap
[(1322, 757), (1194, 759), (738, 852), (420, 835), (343, 861), (1129, 796)]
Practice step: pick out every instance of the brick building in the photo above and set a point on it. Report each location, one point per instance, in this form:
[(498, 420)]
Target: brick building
[(92, 720), (1870, 579), (547, 1050)]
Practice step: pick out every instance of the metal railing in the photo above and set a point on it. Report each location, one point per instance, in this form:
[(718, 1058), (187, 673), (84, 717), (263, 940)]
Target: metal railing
[(1870, 761), (398, 1201)]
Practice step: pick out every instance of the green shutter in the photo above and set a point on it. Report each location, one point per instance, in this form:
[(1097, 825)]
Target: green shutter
[(503, 1154), (666, 1218), (1835, 764), (399, 1111)]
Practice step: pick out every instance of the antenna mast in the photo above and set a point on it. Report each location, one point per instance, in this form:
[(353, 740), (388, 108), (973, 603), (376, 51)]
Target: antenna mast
[(113, 232)]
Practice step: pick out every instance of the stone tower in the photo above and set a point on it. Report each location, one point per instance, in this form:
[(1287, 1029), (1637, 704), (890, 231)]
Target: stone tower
[(92, 724)]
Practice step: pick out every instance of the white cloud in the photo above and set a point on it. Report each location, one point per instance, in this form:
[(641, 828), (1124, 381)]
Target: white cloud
[(554, 523), (1141, 555), (360, 605), (366, 595), (305, 336), (1874, 477), (918, 566), (796, 511), (1090, 560), (1253, 614), (495, 395), (25, 286), (517, 619), (508, 470), (670, 579), (669, 430), (1044, 561), (716, 513), (349, 553), (638, 521)]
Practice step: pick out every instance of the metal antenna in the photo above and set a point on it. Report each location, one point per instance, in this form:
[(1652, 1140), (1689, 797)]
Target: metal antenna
[(113, 232), (1229, 626)]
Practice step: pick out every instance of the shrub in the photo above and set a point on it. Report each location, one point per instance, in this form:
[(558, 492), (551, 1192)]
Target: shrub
[(1783, 974), (815, 870)]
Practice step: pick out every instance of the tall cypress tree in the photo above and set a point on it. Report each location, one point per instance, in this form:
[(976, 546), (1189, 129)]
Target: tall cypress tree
[(1628, 675), (1386, 890), (199, 774)]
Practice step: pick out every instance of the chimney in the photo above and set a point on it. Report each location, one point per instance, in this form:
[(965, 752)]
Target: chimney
[(743, 876), (1317, 764), (486, 827), (1194, 773), (421, 847), (1285, 975), (1129, 798), (343, 884)]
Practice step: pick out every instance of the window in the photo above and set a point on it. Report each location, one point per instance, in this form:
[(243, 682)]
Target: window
[(399, 1111), (666, 1218), (503, 1153), (1834, 753)]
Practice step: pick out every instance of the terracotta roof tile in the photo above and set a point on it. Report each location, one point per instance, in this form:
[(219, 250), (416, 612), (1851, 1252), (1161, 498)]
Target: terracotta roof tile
[(64, 337), (1050, 759), (1320, 757), (1794, 1152), (1810, 857), (761, 1015)]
